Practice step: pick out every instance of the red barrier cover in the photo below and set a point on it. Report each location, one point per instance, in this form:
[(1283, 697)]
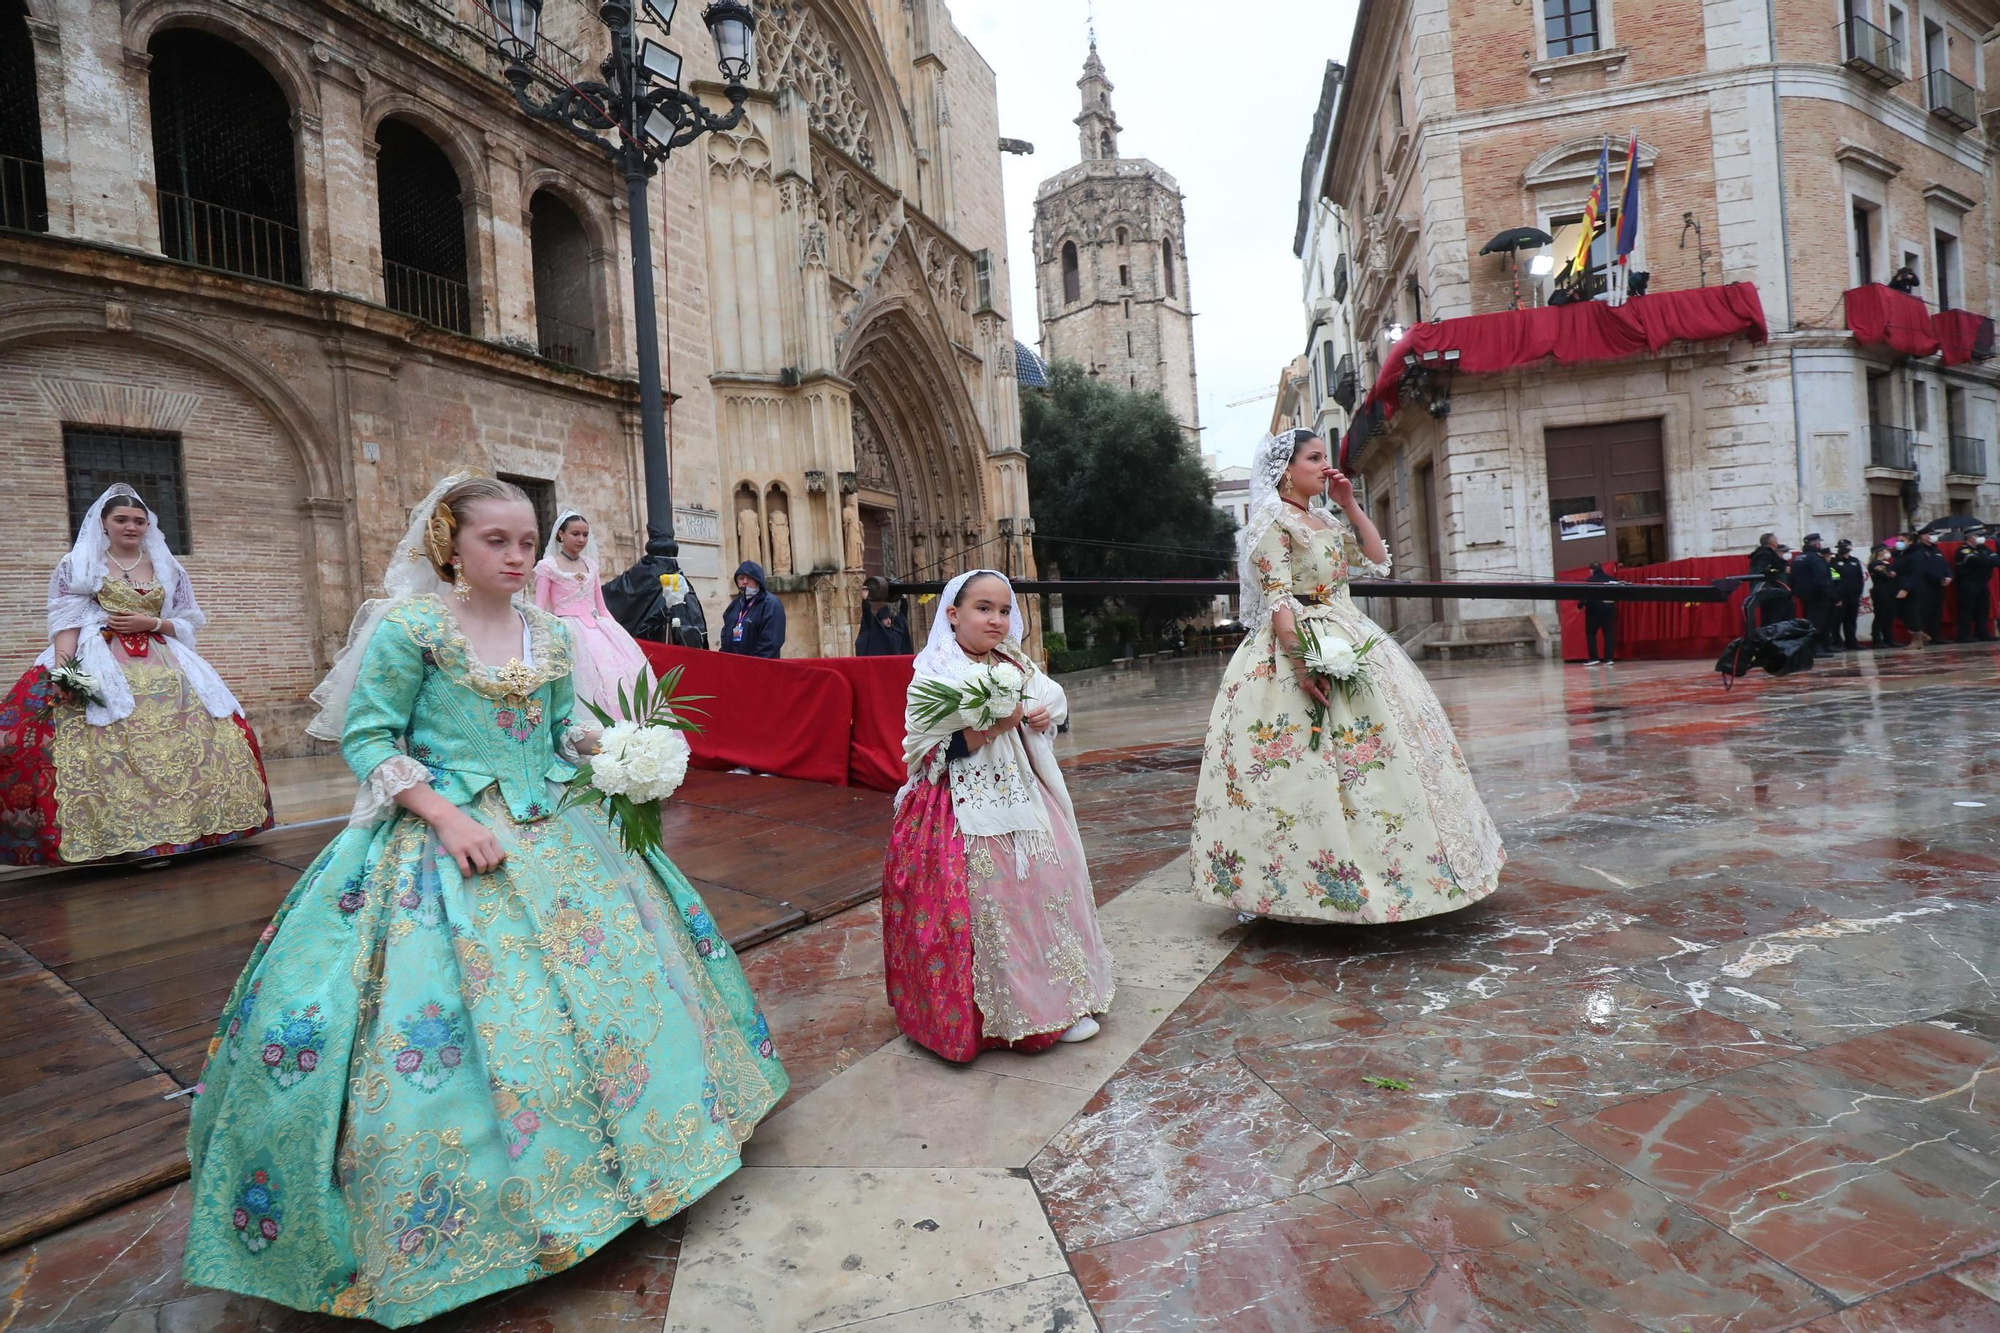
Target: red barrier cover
[(1578, 332), (789, 719), (1664, 629), (1883, 316), (881, 685)]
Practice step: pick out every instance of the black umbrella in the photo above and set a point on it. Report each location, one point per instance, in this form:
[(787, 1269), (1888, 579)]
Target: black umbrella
[(1953, 523), (1516, 238)]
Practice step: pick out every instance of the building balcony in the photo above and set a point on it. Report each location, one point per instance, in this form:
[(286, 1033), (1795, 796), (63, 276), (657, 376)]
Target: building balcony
[(1968, 457), (1891, 447), (1952, 100), (440, 300), (565, 343), (195, 231), (1867, 50)]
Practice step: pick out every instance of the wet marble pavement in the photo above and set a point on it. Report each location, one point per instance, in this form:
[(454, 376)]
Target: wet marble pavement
[(1723, 1053)]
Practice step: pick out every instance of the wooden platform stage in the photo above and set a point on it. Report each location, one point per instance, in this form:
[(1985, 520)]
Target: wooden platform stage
[(111, 979)]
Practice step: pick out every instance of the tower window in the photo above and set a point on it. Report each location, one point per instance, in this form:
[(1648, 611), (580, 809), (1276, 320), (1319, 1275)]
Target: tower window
[(1124, 275), (1167, 265), (1104, 143), (1072, 281)]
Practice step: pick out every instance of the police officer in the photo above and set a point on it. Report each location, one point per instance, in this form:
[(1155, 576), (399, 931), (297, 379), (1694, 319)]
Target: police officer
[(1882, 589), (1922, 576), (1848, 578), (1812, 584), (1973, 569)]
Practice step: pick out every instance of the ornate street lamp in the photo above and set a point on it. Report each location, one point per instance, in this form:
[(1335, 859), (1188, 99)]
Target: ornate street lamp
[(639, 114)]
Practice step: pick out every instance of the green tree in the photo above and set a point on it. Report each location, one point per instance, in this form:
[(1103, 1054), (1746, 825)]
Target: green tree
[(1118, 493)]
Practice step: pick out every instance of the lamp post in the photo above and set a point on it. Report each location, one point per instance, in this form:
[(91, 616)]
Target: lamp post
[(639, 114)]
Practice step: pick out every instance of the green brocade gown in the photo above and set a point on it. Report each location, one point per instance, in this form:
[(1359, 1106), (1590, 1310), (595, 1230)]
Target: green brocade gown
[(427, 1088)]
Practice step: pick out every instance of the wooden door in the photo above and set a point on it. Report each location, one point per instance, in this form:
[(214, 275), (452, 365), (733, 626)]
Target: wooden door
[(1886, 515), (1607, 494)]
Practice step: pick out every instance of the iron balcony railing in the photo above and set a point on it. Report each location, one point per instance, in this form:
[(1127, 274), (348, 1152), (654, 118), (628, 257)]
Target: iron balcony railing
[(443, 301), (24, 201), (1890, 447), (570, 344), (1866, 49), (195, 231), (1952, 99), (1968, 456)]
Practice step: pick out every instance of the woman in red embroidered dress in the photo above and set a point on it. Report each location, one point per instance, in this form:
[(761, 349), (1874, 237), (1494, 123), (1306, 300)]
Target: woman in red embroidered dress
[(989, 927)]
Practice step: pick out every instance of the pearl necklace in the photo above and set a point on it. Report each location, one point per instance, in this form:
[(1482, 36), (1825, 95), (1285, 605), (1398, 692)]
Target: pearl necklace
[(124, 569)]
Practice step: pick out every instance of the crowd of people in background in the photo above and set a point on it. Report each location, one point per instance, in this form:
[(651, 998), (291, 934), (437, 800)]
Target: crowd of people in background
[(1903, 581)]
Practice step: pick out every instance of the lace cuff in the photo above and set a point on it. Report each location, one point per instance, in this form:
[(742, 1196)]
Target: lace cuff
[(566, 744), (1360, 566), (377, 797)]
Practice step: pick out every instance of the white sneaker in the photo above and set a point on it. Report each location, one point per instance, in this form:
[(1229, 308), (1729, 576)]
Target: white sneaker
[(1245, 918), (1082, 1030), (1593, 662)]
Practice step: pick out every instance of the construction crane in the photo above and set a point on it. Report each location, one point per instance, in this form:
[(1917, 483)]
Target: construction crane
[(1253, 398)]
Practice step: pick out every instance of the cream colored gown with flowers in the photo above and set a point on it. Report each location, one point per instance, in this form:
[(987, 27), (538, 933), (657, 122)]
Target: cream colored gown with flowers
[(1382, 822)]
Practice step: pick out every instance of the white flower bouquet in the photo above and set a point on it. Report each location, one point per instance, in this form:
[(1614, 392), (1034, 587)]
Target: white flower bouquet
[(1342, 665), (67, 676), (641, 758), (986, 695)]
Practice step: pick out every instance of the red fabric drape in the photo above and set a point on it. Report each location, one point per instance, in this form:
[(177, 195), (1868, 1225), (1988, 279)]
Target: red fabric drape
[(1880, 315), (1957, 334), (1665, 629), (881, 686), (790, 719), (1572, 334)]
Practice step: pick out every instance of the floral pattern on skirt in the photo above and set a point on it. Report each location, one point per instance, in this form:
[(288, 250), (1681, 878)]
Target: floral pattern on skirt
[(981, 949)]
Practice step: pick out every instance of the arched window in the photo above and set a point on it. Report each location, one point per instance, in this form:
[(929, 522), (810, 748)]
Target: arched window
[(1104, 144), (24, 204), (1167, 265), (565, 315), (423, 228), (1072, 282), (222, 158)]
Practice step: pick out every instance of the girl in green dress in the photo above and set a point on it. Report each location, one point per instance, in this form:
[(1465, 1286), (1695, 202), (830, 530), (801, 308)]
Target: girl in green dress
[(479, 1039)]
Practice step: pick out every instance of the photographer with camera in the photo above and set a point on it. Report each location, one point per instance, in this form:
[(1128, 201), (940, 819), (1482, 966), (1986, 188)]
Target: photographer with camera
[(1767, 566)]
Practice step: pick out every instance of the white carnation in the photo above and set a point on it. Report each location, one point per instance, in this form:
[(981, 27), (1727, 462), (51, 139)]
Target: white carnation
[(646, 763), (1008, 680), (1333, 657)]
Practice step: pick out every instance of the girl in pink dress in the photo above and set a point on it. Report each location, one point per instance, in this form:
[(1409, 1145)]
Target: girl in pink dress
[(566, 582)]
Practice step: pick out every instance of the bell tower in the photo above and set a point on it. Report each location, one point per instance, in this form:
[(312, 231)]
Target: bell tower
[(1097, 126)]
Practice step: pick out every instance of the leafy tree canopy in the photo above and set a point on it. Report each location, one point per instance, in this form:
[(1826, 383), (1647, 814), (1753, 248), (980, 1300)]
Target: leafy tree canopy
[(1118, 492)]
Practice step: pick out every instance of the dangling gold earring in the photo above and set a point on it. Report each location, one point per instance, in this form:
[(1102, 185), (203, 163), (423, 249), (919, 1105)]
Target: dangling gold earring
[(459, 587)]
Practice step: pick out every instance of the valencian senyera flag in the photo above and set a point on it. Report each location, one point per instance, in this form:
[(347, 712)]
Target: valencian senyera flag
[(1578, 270)]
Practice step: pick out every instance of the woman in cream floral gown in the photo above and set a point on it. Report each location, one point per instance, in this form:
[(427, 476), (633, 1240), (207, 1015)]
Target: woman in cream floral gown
[(1381, 822)]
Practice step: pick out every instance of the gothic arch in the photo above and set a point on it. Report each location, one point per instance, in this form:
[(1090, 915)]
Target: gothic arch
[(790, 37), (274, 49)]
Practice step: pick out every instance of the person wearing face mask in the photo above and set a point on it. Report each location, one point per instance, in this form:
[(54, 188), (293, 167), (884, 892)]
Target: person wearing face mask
[(989, 924), (1883, 589), (1812, 584), (1849, 583), (1324, 797), (754, 623), (1922, 576), (1973, 569)]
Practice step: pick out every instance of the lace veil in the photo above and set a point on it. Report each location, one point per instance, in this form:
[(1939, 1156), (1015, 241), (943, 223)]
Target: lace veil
[(550, 551), (410, 574), (942, 657), (88, 562), (1267, 469)]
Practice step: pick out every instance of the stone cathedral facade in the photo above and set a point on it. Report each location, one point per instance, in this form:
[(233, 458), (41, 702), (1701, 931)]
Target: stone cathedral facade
[(284, 264), (1110, 263)]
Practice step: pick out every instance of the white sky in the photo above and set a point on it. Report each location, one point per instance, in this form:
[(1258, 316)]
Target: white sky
[(1223, 100)]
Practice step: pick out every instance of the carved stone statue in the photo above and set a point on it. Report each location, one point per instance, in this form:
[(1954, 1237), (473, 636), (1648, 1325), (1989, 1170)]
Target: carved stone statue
[(781, 542), (748, 543), (850, 528)]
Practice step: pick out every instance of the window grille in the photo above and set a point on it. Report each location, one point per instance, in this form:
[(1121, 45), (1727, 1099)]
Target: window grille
[(423, 228), (542, 495), (24, 204), (149, 461)]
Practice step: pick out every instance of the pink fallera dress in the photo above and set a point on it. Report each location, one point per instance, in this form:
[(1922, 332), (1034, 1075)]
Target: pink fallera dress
[(606, 656)]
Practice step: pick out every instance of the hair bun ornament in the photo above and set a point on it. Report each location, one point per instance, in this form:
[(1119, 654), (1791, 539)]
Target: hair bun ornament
[(438, 534)]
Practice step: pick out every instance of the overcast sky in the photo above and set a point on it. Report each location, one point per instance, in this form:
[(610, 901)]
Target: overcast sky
[(1223, 99)]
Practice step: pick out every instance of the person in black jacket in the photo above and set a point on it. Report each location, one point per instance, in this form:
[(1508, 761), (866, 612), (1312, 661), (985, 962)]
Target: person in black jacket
[(1812, 584), (1923, 575), (884, 630), (1600, 618), (1849, 582), (1973, 570), (754, 623), (1766, 561), (1882, 589)]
